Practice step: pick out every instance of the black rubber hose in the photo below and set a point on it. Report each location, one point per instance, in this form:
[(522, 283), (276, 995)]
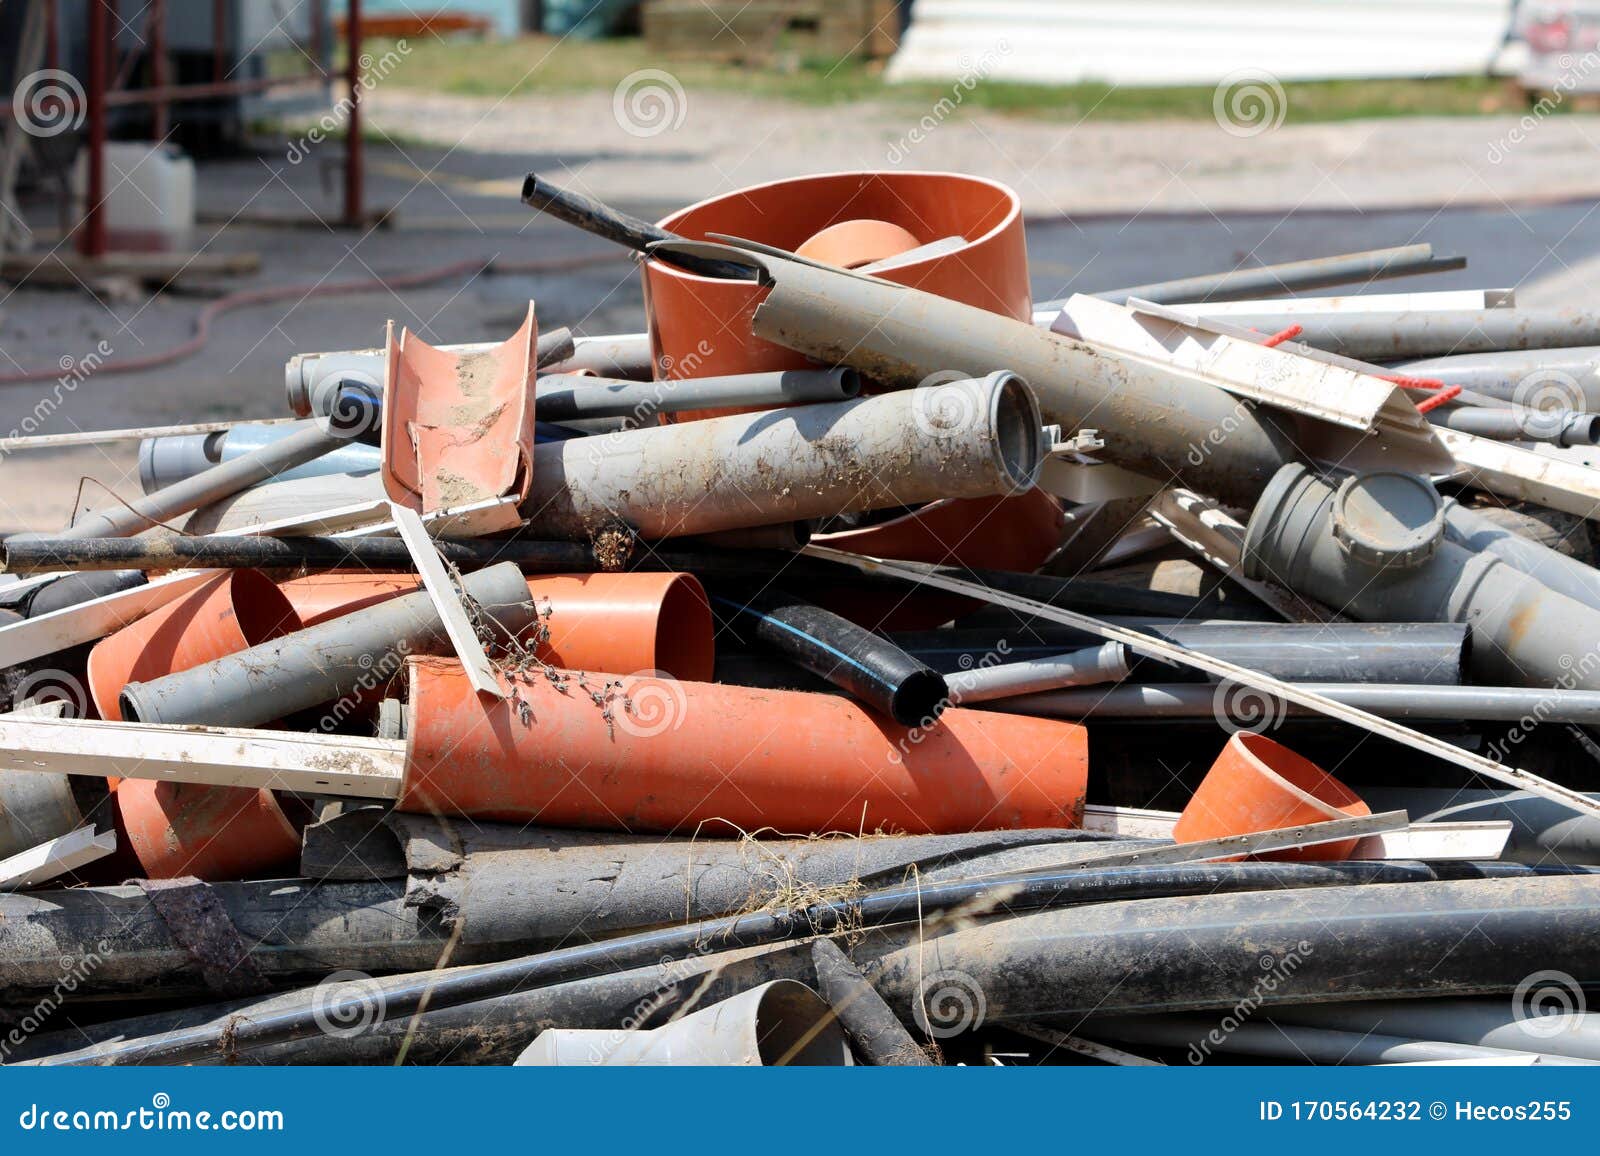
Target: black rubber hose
[(402, 995), (865, 664)]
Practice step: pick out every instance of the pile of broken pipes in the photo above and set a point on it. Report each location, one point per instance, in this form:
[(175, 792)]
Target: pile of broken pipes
[(727, 693)]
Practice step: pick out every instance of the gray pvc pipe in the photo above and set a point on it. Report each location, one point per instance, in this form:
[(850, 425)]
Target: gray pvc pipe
[(1542, 832), (1524, 1025), (783, 1022), (1086, 667), (1200, 1037), (218, 482), (1397, 335), (624, 355), (574, 397), (1551, 567), (1568, 376), (325, 663), (1561, 428), (34, 809), (1431, 653), (1154, 420), (1387, 700), (1375, 549), (961, 439), (167, 460)]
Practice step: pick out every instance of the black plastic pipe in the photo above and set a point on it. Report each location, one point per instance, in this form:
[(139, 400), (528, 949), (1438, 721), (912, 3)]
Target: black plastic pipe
[(877, 1033), (864, 664), (71, 590), (402, 995)]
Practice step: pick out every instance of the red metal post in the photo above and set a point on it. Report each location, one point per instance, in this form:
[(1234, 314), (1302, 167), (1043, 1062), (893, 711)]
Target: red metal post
[(352, 148), (156, 35), (219, 41), (92, 237)]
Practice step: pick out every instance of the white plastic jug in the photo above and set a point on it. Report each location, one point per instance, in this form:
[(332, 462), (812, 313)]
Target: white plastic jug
[(149, 195)]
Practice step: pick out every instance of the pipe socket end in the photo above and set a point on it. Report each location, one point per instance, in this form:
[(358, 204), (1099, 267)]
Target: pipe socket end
[(1388, 519)]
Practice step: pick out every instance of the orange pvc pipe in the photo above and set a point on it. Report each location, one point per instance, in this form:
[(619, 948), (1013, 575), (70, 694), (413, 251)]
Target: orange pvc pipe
[(213, 833), (232, 612), (700, 326), (659, 755), (852, 244), (618, 623), (1257, 784)]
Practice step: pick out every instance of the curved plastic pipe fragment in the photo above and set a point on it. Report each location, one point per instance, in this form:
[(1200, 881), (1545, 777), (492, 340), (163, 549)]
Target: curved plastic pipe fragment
[(458, 426), (656, 754), (213, 833)]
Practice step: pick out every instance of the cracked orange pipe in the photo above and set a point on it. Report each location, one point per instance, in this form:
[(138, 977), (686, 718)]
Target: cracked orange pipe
[(617, 623), (654, 754)]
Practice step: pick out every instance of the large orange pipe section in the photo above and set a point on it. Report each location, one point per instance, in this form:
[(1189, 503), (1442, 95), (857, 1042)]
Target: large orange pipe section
[(232, 612), (659, 755), (213, 833), (617, 623)]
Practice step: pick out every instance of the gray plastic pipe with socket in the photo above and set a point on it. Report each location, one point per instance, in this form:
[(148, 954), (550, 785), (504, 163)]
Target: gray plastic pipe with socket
[(576, 397), (1556, 570), (324, 663), (960, 439), (1526, 376), (1155, 420), (778, 1023), (218, 482), (1558, 427), (1087, 667), (1375, 549), (164, 461)]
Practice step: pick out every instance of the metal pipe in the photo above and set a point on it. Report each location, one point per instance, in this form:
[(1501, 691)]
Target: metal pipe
[(165, 461), (92, 239), (210, 485), (777, 1024), (962, 439), (353, 171), (1558, 427), (1288, 277), (1155, 420), (879, 1036), (576, 397), (323, 663), (1554, 569), (1406, 335), (1286, 1041), (864, 664), (1375, 549), (1353, 652), (1086, 667), (1387, 700)]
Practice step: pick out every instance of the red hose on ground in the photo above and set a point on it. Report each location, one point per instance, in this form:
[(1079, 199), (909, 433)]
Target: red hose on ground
[(302, 290)]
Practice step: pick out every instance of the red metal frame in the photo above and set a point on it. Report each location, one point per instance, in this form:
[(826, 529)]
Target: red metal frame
[(104, 91)]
